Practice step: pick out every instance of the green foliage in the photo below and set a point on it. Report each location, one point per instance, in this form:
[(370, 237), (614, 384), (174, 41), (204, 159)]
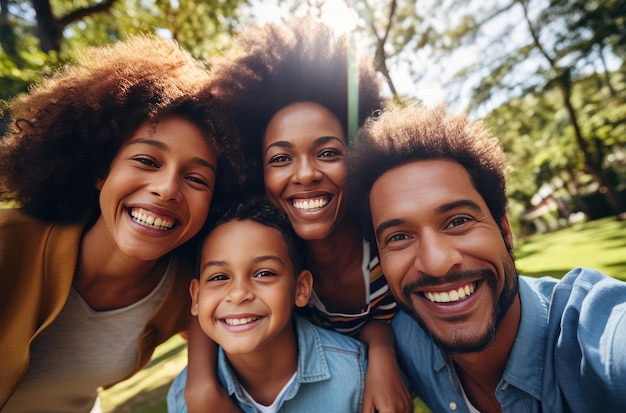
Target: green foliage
[(202, 27), (540, 143), (21, 60)]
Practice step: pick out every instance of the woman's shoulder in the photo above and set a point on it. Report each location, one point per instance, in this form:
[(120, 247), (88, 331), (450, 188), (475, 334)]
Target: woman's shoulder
[(16, 218), (20, 232)]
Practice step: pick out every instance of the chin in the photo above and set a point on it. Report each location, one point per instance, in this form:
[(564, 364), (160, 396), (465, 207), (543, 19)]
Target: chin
[(473, 344), (308, 233)]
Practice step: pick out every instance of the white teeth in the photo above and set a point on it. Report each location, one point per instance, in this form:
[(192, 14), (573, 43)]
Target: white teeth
[(141, 217), (305, 205), (452, 295), (240, 321)]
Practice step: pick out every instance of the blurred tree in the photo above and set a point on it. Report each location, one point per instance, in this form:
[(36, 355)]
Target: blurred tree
[(532, 47), (536, 135), (37, 35), (399, 33)]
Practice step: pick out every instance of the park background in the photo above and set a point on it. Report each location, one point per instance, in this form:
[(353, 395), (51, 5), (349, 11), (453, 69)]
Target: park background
[(547, 76)]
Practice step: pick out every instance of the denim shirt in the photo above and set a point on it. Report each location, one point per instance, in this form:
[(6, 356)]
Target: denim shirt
[(569, 354), (330, 375)]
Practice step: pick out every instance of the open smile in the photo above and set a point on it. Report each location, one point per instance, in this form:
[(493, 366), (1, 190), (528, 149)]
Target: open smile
[(311, 204), (451, 296), (151, 220), (241, 321)]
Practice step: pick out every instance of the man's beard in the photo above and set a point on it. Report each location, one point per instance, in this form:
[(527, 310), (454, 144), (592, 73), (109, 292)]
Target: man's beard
[(501, 305)]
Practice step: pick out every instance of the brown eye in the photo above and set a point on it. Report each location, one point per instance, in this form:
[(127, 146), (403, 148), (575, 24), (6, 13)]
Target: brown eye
[(264, 274), (279, 159), (458, 222), (330, 153), (218, 277), (146, 161), (396, 237)]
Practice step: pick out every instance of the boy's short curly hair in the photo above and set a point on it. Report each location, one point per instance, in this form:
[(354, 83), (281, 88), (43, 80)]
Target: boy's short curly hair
[(274, 66), (400, 136), (64, 134), (258, 209)]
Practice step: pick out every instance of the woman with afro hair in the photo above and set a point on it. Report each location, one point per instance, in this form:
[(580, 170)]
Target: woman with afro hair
[(288, 88), (109, 167)]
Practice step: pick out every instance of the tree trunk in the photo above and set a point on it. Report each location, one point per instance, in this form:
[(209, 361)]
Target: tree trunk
[(593, 165), (48, 30)]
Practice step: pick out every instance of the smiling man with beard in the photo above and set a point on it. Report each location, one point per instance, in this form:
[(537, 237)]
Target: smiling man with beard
[(474, 336)]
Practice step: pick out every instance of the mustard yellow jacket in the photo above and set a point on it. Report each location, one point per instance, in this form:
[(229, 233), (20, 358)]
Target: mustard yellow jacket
[(37, 262)]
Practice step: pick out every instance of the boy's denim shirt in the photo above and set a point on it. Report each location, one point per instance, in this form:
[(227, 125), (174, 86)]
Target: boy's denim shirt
[(569, 354), (330, 375)]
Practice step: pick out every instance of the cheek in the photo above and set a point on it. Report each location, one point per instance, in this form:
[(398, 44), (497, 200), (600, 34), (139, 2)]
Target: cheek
[(273, 190), (198, 216), (393, 270), (207, 304), (274, 182), (338, 174)]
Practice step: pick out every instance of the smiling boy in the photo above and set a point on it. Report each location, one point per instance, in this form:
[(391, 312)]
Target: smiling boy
[(270, 360)]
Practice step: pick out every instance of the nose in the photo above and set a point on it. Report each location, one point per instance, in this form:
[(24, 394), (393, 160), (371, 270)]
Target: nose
[(167, 185), (306, 172), (239, 291), (436, 254)]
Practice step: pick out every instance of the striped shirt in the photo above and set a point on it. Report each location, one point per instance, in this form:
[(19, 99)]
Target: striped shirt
[(380, 303)]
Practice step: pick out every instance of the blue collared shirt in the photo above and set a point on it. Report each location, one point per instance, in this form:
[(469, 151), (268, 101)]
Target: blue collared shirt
[(330, 375), (569, 354)]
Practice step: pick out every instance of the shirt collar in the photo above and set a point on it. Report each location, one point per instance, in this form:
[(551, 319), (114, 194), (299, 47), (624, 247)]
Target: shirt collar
[(312, 364), (524, 368)]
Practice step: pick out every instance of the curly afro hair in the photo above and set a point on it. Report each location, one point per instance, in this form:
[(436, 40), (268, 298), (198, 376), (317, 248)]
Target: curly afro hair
[(399, 136), (63, 135), (274, 66)]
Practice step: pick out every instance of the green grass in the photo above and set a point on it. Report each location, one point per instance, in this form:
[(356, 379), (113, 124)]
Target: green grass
[(599, 244), (145, 392)]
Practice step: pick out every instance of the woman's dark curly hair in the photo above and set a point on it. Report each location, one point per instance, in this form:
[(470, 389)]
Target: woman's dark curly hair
[(64, 134), (274, 66)]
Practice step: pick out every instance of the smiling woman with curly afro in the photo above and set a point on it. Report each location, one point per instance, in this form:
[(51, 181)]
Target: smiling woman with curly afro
[(274, 66), (64, 134), (111, 165)]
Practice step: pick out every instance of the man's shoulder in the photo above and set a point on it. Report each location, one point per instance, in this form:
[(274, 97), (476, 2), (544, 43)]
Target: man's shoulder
[(579, 281), (404, 323)]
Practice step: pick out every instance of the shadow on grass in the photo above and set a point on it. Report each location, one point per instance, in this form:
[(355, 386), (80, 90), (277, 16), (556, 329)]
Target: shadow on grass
[(167, 355), (620, 269), (147, 401)]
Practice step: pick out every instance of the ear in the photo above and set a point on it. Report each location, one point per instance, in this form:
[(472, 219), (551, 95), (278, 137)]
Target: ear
[(194, 288), (304, 288), (505, 228)]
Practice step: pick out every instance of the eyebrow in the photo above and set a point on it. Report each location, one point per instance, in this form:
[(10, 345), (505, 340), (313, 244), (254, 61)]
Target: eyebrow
[(256, 260), (164, 147), (318, 141), (461, 203)]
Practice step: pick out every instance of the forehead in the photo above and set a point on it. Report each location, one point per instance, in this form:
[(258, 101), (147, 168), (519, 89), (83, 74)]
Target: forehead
[(174, 131), (175, 137), (244, 238), (419, 188), (303, 120)]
